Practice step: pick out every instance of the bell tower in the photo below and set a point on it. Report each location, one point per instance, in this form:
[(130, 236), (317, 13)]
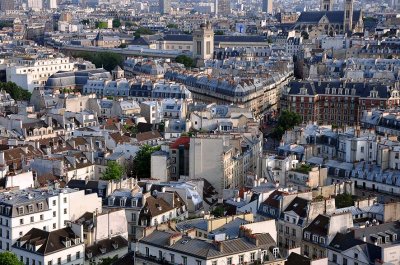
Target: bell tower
[(348, 16), (203, 42), (326, 5)]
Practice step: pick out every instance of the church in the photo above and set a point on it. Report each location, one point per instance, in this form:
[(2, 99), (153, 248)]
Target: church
[(202, 42), (329, 22)]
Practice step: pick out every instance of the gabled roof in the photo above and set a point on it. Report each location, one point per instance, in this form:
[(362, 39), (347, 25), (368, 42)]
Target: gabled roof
[(145, 136), (107, 245), (299, 206), (183, 140), (319, 226), (47, 242), (335, 17)]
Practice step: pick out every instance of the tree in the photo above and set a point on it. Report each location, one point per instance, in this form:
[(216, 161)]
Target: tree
[(185, 60), (172, 26), (108, 261), (287, 120), (101, 24), (218, 32), (142, 31), (107, 60), (113, 171), (15, 91), (8, 258), (344, 200), (142, 161), (218, 211), (116, 23)]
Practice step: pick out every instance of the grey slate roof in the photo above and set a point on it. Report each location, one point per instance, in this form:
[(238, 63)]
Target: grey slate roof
[(217, 38), (335, 17), (205, 250)]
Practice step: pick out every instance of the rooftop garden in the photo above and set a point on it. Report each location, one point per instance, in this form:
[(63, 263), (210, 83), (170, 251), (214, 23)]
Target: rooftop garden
[(303, 168)]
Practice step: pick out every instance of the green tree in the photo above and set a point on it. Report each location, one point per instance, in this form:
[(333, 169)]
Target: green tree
[(172, 26), (15, 91), (142, 161), (6, 24), (108, 261), (344, 200), (218, 32), (287, 120), (107, 60), (185, 60), (116, 23), (8, 258), (129, 24), (113, 171), (101, 25), (218, 211), (142, 31)]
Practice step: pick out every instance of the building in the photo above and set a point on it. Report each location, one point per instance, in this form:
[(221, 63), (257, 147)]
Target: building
[(223, 7), (320, 233), (21, 211), (375, 243), (203, 41), (326, 5), (165, 6), (32, 73), (7, 5), (267, 6), (176, 248), (218, 159), (329, 22), (337, 102), (35, 4), (62, 246), (179, 157), (52, 4)]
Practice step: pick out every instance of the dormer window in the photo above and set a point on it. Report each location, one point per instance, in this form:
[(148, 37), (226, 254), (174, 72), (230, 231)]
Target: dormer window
[(315, 238), (111, 201), (134, 202), (122, 201), (8, 210), (40, 206), (20, 210), (322, 240), (30, 208), (327, 90)]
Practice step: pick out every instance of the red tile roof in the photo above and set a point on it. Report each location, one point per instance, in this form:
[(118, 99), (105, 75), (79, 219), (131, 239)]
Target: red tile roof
[(183, 140)]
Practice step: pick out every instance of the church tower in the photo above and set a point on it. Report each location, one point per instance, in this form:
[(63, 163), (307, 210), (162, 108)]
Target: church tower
[(203, 42), (326, 5), (348, 16)]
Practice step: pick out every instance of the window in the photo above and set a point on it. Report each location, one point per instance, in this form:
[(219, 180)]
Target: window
[(315, 238), (41, 217), (356, 255), (69, 258), (32, 219), (208, 47), (172, 257), (229, 261), (65, 211), (21, 221), (65, 198), (214, 262), (78, 255), (54, 214), (20, 210), (59, 261), (54, 226), (54, 203), (160, 255), (184, 260), (344, 261), (252, 256), (147, 252), (30, 208), (241, 259), (334, 258), (198, 48), (198, 262)]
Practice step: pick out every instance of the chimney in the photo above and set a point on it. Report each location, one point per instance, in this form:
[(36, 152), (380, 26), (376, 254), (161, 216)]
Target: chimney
[(174, 238), (2, 159)]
